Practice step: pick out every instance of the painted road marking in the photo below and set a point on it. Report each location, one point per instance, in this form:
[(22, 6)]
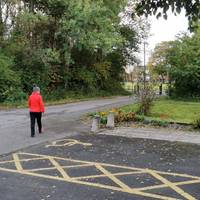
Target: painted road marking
[(59, 168), (67, 142), (17, 162), (171, 185), (104, 170)]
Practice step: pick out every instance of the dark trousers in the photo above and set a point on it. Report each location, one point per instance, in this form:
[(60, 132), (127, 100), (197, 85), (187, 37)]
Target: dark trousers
[(38, 117)]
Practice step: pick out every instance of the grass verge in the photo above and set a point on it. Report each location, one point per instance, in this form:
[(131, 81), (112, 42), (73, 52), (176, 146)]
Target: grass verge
[(178, 111)]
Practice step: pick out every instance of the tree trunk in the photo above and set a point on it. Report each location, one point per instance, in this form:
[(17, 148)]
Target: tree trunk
[(1, 21)]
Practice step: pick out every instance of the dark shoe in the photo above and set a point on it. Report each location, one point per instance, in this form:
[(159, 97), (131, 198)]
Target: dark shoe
[(41, 131), (32, 135)]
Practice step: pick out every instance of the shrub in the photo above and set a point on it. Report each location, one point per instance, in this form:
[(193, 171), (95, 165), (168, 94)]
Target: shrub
[(9, 80), (103, 120), (15, 95), (159, 123), (139, 118), (196, 123), (119, 116), (146, 97)]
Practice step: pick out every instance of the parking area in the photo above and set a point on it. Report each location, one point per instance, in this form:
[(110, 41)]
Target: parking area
[(96, 167)]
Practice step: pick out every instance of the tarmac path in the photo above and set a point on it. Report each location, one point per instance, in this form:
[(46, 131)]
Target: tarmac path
[(58, 121), (67, 162), (102, 167)]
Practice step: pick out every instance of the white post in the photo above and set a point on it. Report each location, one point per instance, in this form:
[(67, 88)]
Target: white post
[(110, 120), (95, 124)]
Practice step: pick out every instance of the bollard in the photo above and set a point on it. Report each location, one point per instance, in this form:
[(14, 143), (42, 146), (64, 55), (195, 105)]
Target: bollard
[(95, 124), (110, 120)]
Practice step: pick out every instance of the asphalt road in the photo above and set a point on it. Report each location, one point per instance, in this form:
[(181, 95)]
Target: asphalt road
[(58, 121), (102, 167), (85, 166)]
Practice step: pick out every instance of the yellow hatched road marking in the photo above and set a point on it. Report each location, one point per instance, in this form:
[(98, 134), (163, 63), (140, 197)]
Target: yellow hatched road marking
[(59, 168), (111, 165), (124, 186), (112, 177), (57, 158), (17, 162), (132, 191), (64, 167), (23, 160), (175, 174), (172, 186), (103, 168), (165, 186), (103, 175), (90, 184)]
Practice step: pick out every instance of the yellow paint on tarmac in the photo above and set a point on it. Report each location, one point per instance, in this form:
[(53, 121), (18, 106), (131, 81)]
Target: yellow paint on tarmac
[(99, 170), (112, 177), (17, 162), (59, 168), (171, 185), (67, 142)]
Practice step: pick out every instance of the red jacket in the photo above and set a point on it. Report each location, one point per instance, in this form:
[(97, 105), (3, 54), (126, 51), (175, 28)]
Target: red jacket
[(35, 102)]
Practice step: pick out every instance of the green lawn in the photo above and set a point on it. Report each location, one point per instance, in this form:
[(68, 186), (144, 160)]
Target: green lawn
[(172, 110), (129, 86)]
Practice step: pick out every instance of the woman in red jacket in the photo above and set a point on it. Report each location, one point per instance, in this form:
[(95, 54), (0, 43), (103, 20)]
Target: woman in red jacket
[(36, 108)]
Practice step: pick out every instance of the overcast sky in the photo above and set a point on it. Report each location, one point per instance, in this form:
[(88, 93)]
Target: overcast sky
[(165, 30)]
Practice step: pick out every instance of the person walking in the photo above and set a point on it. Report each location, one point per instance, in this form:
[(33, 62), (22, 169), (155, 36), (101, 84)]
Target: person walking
[(36, 108)]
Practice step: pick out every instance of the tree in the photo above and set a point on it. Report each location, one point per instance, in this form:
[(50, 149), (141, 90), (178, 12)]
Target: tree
[(159, 60), (186, 65), (9, 80), (77, 45), (182, 55), (160, 8)]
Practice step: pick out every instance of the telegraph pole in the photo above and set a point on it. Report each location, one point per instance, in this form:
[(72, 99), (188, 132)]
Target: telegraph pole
[(144, 65)]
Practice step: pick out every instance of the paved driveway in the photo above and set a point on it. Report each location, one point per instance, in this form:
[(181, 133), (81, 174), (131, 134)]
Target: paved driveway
[(96, 167), (59, 121)]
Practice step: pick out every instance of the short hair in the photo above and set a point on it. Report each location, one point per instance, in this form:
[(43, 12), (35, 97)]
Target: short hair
[(36, 89)]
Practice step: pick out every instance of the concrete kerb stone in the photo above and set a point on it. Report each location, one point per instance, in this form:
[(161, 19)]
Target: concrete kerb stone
[(155, 134)]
